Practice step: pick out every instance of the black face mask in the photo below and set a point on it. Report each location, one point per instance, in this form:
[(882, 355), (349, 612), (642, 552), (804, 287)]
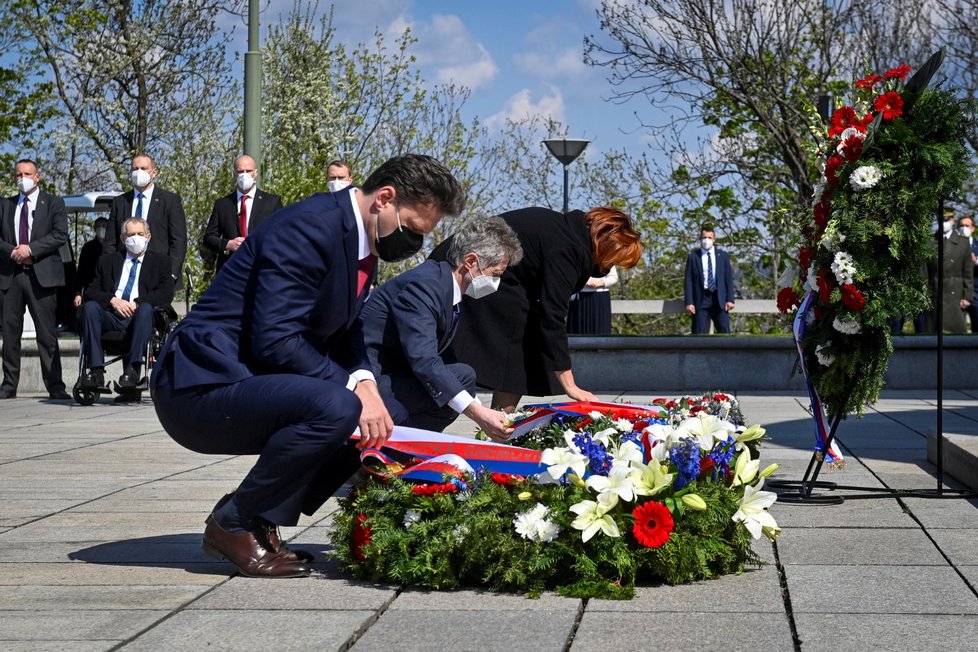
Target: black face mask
[(399, 244)]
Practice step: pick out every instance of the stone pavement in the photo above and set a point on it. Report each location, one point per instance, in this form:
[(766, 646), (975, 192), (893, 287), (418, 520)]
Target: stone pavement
[(101, 516)]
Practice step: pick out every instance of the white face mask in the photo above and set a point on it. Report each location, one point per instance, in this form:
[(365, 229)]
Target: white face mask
[(336, 185), (966, 231), (26, 185), (245, 181), (706, 243), (100, 232), (139, 178), (948, 226), (481, 286), (136, 244)]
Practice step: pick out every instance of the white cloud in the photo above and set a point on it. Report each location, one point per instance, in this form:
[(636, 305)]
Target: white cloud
[(521, 105), (568, 63), (474, 74)]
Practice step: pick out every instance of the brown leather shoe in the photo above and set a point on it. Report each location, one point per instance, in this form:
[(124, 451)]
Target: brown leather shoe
[(245, 551), (272, 540)]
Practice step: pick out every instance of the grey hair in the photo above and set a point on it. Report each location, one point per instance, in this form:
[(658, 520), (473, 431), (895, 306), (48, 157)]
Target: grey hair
[(134, 220), (490, 238)]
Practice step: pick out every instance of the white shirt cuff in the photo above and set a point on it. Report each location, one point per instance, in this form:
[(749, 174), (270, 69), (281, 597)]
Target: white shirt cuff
[(461, 401), (357, 376)]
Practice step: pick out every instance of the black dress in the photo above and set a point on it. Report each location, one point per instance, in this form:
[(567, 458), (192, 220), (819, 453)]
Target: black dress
[(517, 337)]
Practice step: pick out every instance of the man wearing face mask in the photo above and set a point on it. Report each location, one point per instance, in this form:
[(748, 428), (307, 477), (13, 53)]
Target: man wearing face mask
[(338, 176), (161, 209), (271, 360), (33, 227), (88, 260), (709, 286), (966, 226), (410, 321), (958, 271), (239, 213), (128, 286)]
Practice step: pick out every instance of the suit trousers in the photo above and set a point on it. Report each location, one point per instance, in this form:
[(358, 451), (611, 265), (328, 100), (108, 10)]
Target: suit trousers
[(42, 302), (297, 425), (710, 310), (96, 320), (410, 404)]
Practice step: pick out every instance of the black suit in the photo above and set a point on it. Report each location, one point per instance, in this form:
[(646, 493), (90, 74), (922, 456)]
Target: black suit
[(223, 224), (167, 225), (34, 286), (408, 326), (155, 290)]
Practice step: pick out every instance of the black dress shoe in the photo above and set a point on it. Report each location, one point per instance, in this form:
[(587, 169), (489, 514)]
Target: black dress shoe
[(92, 379), (8, 393), (59, 395), (129, 379), (245, 551)]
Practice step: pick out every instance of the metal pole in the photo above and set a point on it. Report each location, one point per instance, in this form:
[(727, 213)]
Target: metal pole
[(252, 90), (939, 309), (566, 198)]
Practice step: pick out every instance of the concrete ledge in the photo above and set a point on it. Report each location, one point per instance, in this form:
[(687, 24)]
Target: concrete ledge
[(960, 453)]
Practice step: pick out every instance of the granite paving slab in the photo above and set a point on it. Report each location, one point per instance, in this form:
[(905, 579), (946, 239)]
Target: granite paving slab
[(91, 574), (859, 546), (479, 600), (843, 632), (32, 597), (85, 625), (327, 592), (960, 545)]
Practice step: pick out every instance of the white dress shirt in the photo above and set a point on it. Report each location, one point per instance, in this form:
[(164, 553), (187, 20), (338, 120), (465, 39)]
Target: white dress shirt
[(124, 278)]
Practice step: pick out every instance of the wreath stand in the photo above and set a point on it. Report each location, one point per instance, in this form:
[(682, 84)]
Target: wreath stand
[(801, 491)]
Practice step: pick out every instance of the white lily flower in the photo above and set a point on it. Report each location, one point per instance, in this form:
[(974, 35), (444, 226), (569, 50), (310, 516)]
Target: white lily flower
[(706, 429), (753, 511), (627, 451), (652, 478), (604, 437), (745, 469), (559, 460), (569, 440), (593, 516), (617, 484)]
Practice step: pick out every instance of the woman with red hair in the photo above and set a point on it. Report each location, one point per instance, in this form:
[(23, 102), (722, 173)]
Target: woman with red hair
[(516, 338)]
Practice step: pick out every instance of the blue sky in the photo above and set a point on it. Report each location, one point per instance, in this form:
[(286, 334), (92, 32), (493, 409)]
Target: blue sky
[(517, 57)]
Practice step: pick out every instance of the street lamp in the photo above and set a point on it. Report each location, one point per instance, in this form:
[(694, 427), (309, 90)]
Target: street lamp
[(566, 150)]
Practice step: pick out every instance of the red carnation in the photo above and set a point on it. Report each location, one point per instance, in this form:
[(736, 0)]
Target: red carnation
[(505, 479), (821, 213), (900, 72), (869, 82), (852, 298), (361, 536), (825, 285), (832, 166), (787, 300), (805, 257), (889, 104), (721, 397), (853, 149), (653, 524), (432, 489), (706, 466)]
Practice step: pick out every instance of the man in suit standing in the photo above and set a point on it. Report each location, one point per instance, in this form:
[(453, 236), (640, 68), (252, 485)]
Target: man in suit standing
[(162, 210), (127, 288), (410, 321), (237, 214), (33, 227), (958, 271), (709, 288), (271, 360), (966, 226)]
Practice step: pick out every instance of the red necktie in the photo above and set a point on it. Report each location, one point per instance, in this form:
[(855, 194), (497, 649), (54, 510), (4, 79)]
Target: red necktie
[(364, 270), (243, 217), (24, 236)]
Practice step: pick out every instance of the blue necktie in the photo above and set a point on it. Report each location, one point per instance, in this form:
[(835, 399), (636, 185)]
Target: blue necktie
[(711, 283), (139, 205), (131, 281)]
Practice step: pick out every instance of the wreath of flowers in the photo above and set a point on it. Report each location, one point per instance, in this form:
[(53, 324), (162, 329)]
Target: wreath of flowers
[(887, 159), (672, 499)]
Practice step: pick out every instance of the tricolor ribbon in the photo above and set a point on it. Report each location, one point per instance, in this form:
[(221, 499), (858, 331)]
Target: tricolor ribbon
[(829, 451), (543, 413)]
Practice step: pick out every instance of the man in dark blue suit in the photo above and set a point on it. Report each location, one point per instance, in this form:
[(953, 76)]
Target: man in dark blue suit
[(410, 321), (271, 360), (966, 225), (709, 289)]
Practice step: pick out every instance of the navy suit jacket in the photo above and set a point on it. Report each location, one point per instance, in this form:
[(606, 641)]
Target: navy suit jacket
[(167, 223), (693, 293), (408, 326), (48, 234), (285, 303), (155, 280)]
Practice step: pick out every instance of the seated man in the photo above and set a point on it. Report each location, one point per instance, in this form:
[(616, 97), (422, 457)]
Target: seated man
[(409, 323), (128, 286)]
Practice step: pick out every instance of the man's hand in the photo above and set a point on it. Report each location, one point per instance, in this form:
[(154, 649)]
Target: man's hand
[(494, 423), (235, 243), (728, 306), (124, 309), (375, 422), (579, 394), (691, 309), (595, 283), (78, 301), (21, 255), (964, 304)]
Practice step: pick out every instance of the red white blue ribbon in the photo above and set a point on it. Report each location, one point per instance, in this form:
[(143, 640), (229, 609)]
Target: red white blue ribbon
[(543, 413), (830, 452)]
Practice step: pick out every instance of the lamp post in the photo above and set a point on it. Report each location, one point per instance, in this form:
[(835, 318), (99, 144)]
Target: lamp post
[(566, 150)]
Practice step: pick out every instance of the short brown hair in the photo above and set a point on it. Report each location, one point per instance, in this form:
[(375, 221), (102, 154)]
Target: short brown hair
[(614, 241)]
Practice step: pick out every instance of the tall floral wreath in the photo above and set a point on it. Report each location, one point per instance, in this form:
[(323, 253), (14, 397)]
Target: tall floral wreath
[(887, 159)]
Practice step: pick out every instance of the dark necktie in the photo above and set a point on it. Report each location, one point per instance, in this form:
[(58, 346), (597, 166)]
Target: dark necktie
[(711, 282), (139, 205), (243, 216), (364, 270), (456, 311), (24, 236), (132, 280)]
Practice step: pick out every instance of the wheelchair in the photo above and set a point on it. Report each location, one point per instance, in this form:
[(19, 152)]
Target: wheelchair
[(115, 346)]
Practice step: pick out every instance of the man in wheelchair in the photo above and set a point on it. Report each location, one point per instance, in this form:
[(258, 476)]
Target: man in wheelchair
[(128, 287)]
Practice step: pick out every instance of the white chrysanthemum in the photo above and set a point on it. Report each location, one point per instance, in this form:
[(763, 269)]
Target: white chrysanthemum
[(824, 359), (594, 414), (844, 268), (411, 517), (832, 239), (534, 525), (865, 177), (624, 425), (847, 327)]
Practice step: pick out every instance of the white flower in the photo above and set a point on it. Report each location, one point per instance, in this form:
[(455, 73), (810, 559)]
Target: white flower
[(865, 177), (559, 460), (812, 278), (534, 525), (594, 414), (652, 478), (753, 510), (627, 452), (847, 327), (604, 437), (460, 532), (624, 425), (745, 469), (824, 359), (788, 276), (847, 134), (819, 190), (411, 517), (844, 268), (831, 239), (706, 429), (617, 484), (593, 516), (547, 531)]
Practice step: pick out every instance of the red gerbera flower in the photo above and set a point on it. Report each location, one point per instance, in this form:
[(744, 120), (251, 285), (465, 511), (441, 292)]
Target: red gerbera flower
[(853, 149), (787, 300), (852, 298), (361, 536), (900, 72), (653, 524), (825, 285), (869, 82), (889, 104), (832, 166)]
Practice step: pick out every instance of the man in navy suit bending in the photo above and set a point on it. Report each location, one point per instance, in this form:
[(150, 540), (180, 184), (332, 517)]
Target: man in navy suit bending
[(709, 289), (271, 360), (409, 324)]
